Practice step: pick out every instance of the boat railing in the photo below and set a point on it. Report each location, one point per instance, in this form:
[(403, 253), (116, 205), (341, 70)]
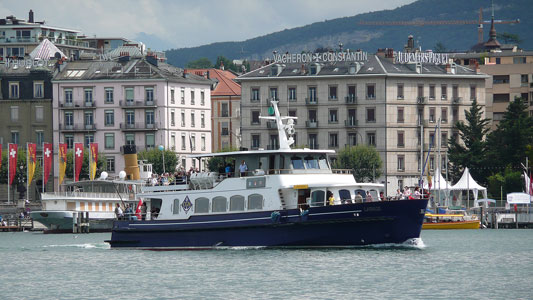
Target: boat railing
[(85, 195)]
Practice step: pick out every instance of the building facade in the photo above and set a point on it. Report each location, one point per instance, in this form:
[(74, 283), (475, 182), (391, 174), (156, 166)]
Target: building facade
[(373, 101), (26, 112), (225, 107), (132, 101)]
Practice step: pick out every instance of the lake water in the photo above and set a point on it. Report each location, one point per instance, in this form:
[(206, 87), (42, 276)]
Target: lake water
[(469, 264)]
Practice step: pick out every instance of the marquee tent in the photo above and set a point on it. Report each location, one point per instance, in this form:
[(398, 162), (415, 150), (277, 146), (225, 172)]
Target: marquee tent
[(467, 183)]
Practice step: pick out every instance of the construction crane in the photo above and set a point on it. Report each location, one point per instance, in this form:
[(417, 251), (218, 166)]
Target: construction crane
[(479, 22)]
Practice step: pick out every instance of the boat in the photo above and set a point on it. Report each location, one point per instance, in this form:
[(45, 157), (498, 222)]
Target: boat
[(452, 219), (284, 198), (95, 198)]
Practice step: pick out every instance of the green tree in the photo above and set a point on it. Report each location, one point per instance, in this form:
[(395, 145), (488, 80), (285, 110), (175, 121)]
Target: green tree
[(155, 157), (363, 159), (470, 151), (504, 182), (201, 63), (509, 38), (508, 143), (84, 173), (439, 47), (228, 64), (218, 164)]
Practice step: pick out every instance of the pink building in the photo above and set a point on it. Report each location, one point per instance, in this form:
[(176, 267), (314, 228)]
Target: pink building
[(132, 100)]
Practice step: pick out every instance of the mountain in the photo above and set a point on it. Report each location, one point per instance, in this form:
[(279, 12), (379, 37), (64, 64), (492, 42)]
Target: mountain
[(369, 38)]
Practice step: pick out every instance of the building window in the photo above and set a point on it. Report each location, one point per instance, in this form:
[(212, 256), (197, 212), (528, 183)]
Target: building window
[(431, 139), (500, 98), (130, 118), (255, 141), (371, 91), (443, 92), (519, 60), (371, 138), (444, 139), (431, 92), (110, 164), (444, 115), (455, 91), (129, 96), (401, 139), (38, 89), (311, 93), (89, 120), (370, 115), (400, 115), (193, 143), (432, 114), (202, 120), (274, 93), (88, 96), (292, 113), (89, 138), (224, 128), (109, 117), (313, 140), (40, 138), (420, 91), (182, 118), (69, 140), (255, 117), (14, 137), (224, 111), (455, 115), (14, 90), (149, 95), (255, 94), (401, 163), (39, 113), (130, 138), (333, 118), (352, 139), (193, 123), (14, 113), (432, 163), (172, 118), (69, 118), (333, 140), (109, 95), (149, 118), (172, 96), (68, 96), (183, 144), (173, 141), (109, 140), (182, 96), (192, 97), (352, 93), (149, 141), (291, 94), (473, 92), (400, 91), (202, 98), (332, 92), (202, 142)]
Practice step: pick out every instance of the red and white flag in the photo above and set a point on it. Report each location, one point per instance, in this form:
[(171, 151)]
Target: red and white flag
[(12, 154), (78, 159), (47, 160), (138, 209)]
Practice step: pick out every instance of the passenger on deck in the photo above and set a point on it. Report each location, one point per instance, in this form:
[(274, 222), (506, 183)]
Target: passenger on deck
[(243, 168), (368, 197), (406, 192), (416, 194), (118, 212), (358, 198), (143, 211), (399, 194), (128, 212), (331, 199)]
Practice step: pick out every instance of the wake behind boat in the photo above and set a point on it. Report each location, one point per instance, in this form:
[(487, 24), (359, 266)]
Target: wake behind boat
[(292, 198)]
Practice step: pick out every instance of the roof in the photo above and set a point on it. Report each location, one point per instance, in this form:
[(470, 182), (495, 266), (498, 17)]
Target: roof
[(467, 183), (45, 50), (225, 85), (263, 152), (491, 54), (127, 69)]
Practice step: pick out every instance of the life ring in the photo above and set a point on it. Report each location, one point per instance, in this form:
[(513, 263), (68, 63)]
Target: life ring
[(275, 217)]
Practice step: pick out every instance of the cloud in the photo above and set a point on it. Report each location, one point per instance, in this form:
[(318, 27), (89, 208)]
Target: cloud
[(189, 23)]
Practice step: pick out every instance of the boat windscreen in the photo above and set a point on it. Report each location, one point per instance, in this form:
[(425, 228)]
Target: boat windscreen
[(311, 162), (297, 162), (323, 163)]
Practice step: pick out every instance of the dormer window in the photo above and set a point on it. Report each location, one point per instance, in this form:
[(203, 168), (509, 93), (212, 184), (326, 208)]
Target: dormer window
[(418, 68), (314, 69), (275, 70)]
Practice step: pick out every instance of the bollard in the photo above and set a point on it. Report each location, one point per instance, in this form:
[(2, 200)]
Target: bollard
[(74, 220)]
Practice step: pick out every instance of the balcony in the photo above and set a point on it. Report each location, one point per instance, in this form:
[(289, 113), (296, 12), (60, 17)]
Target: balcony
[(457, 100), (137, 103), (420, 100), (351, 99), (426, 146), (271, 124), (350, 123), (77, 127), (272, 147), (137, 127), (311, 101), (313, 146), (89, 104), (76, 105), (311, 124), (423, 122)]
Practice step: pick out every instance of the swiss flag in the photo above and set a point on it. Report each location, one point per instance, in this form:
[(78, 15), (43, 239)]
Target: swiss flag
[(12, 153), (78, 159), (138, 209), (47, 160)]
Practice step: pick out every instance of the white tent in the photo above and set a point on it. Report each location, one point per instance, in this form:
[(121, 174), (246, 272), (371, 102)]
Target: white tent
[(467, 183), (45, 50)]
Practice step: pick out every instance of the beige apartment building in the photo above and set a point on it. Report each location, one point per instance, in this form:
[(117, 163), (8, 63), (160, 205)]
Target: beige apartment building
[(375, 101)]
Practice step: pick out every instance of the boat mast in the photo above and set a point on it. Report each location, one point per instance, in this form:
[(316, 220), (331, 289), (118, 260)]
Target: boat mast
[(283, 129)]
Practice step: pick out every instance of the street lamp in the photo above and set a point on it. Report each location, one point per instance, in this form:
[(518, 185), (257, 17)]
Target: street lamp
[(161, 148)]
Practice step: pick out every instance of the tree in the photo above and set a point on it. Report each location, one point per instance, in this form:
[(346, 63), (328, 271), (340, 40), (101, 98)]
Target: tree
[(505, 182), (201, 63), (20, 176), (363, 159), (471, 150), (218, 164), (509, 38), (508, 143), (84, 173), (155, 157), (228, 64), (439, 47)]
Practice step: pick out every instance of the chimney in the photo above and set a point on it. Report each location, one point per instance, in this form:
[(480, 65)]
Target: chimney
[(477, 67), (30, 16), (381, 52), (302, 70), (448, 68), (221, 65), (207, 75)]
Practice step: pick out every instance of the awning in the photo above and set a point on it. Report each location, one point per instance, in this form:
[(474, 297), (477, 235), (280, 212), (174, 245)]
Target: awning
[(519, 198)]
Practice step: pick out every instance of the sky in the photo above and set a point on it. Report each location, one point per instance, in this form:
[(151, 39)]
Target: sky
[(166, 24)]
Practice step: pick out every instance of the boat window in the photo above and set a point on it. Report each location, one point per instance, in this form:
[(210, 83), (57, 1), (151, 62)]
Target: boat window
[(311, 163), (323, 163), (345, 195), (236, 203), (317, 198), (297, 163), (362, 193), (201, 205), (176, 209), (255, 201), (219, 204)]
